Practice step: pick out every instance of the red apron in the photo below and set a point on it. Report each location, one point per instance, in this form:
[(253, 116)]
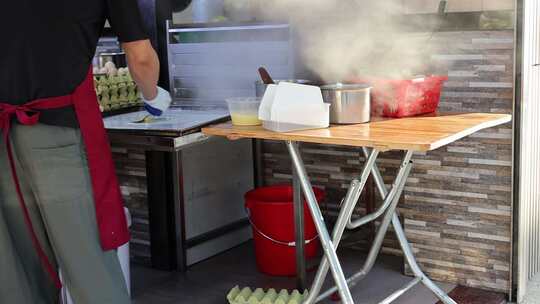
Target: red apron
[(111, 221)]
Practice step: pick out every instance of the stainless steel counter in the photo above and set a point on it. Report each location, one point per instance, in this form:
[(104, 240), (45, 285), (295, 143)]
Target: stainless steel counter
[(179, 120), (195, 209), (177, 129)]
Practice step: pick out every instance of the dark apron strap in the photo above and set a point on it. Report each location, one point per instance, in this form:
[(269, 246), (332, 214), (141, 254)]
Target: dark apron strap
[(110, 216)]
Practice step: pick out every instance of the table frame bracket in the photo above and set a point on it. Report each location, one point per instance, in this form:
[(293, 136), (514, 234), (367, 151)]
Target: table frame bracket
[(330, 260)]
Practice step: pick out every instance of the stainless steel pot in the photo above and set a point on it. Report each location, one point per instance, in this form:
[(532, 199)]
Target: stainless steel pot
[(260, 87), (350, 103)]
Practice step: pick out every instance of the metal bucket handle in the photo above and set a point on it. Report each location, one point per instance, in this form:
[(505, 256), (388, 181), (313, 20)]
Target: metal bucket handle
[(288, 244)]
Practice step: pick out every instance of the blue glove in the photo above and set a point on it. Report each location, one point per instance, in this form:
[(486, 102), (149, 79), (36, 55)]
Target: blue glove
[(158, 105)]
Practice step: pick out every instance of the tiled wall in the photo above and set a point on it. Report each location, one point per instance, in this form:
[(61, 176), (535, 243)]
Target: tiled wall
[(457, 202), (131, 171), (468, 185)]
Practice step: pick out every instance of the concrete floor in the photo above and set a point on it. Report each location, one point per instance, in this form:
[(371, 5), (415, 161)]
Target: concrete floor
[(209, 282)]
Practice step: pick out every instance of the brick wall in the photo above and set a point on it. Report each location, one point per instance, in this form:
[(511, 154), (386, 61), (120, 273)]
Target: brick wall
[(131, 171)]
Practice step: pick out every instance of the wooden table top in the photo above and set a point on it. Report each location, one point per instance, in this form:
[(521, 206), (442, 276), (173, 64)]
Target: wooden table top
[(422, 133)]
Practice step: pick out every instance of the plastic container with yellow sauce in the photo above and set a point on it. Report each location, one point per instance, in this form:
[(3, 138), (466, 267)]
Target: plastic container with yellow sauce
[(244, 110)]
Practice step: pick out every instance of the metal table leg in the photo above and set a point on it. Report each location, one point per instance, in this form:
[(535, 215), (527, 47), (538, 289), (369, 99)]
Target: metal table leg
[(390, 203), (347, 208), (328, 247), (166, 213), (406, 247), (344, 220), (299, 231)]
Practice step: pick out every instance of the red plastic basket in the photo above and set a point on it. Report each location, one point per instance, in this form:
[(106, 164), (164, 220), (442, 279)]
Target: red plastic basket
[(404, 97)]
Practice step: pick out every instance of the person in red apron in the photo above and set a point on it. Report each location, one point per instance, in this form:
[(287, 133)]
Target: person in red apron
[(60, 203)]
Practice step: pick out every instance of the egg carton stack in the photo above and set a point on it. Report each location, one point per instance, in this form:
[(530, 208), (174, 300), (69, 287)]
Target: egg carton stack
[(259, 296), (115, 88)]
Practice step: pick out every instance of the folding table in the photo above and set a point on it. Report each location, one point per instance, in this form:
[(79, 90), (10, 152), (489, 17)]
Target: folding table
[(415, 134)]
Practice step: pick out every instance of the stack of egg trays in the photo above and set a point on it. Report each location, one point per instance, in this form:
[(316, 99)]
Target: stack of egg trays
[(259, 296), (116, 92)]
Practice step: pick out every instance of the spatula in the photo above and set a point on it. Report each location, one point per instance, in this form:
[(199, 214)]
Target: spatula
[(265, 76)]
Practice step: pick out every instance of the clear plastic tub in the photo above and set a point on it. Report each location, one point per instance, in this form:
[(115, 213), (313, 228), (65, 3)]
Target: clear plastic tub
[(244, 110)]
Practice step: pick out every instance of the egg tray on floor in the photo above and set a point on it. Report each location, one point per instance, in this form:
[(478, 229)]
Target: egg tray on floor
[(259, 296), (116, 92)]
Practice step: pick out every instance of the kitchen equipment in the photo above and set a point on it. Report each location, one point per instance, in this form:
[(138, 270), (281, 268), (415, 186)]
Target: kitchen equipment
[(350, 103), (196, 208), (265, 76), (211, 62), (177, 121), (244, 110), (260, 86), (291, 107), (405, 97), (187, 171), (118, 58)]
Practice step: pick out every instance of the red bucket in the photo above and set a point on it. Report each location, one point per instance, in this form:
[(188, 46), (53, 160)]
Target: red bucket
[(271, 212)]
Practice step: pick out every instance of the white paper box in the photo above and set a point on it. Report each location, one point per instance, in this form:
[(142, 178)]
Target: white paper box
[(265, 109), (292, 107)]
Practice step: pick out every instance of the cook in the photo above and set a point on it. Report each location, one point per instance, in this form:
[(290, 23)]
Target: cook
[(60, 203)]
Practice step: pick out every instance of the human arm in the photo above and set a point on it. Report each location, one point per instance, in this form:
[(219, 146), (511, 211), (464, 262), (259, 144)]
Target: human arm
[(142, 59)]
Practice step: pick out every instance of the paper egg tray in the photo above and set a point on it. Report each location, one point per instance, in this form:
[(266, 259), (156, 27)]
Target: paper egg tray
[(259, 296), (116, 92)]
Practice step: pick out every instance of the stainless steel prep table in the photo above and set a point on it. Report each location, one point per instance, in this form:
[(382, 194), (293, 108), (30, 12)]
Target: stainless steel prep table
[(425, 133), (174, 145)]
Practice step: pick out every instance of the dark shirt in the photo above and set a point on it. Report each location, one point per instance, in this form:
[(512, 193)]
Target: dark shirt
[(48, 45)]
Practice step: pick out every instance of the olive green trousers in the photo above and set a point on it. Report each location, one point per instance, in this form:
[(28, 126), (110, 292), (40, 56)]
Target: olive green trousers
[(53, 173)]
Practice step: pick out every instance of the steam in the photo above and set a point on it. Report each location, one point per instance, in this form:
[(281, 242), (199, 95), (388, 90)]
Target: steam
[(340, 39)]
